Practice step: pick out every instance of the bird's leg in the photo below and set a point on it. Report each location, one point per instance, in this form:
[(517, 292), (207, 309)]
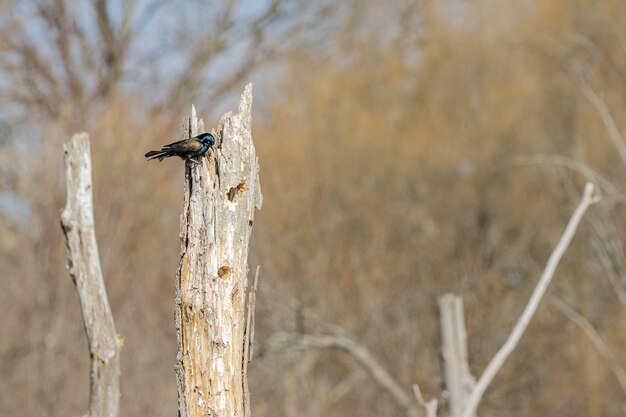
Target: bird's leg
[(195, 162)]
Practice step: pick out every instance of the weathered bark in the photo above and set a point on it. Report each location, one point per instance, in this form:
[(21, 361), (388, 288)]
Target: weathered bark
[(84, 267), (221, 195)]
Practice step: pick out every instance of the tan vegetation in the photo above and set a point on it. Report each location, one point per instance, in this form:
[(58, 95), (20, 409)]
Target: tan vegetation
[(398, 144)]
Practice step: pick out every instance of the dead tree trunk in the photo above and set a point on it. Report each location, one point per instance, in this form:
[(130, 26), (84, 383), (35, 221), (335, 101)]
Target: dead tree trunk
[(221, 195), (84, 265)]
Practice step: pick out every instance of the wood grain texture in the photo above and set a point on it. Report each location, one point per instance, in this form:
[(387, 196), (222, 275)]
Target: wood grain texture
[(459, 380), (221, 196), (77, 221)]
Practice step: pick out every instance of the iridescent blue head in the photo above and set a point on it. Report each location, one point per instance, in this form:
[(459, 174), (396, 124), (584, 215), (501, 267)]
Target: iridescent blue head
[(206, 139)]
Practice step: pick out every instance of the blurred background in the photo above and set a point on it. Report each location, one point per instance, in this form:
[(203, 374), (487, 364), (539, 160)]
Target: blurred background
[(408, 148)]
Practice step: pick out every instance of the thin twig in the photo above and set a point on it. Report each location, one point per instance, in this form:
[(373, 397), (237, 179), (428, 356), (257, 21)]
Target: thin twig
[(595, 339), (583, 169), (546, 277), (429, 406), (359, 353), (607, 119)]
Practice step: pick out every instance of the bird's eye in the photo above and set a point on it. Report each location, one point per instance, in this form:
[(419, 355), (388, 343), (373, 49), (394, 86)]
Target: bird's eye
[(207, 139)]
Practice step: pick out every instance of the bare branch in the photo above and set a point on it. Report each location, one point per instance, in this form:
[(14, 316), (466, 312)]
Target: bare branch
[(459, 380), (595, 339), (114, 45), (429, 406), (55, 15), (361, 356), (583, 169), (607, 245), (323, 403), (529, 311), (84, 266)]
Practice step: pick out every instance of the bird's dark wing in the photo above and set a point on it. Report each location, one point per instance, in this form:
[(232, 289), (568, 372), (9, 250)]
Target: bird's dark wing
[(184, 146), (175, 143)]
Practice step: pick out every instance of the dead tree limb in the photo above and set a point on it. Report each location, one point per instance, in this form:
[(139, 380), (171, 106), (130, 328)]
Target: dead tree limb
[(359, 353), (529, 311), (77, 222), (221, 195), (594, 338), (459, 380), (430, 406)]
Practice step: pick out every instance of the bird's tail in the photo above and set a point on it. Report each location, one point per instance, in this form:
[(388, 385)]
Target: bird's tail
[(160, 155)]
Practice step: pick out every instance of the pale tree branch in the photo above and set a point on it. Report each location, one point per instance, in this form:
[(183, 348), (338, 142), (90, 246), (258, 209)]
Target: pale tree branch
[(335, 337), (359, 353), (595, 338), (607, 244), (459, 380), (429, 406), (591, 175), (529, 311), (84, 266)]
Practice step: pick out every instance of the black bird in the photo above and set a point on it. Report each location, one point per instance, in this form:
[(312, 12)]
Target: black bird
[(185, 149)]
